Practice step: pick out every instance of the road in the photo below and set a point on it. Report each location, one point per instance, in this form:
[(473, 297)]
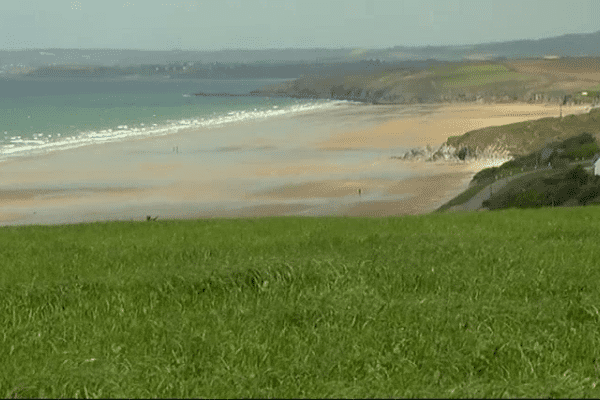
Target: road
[(476, 202)]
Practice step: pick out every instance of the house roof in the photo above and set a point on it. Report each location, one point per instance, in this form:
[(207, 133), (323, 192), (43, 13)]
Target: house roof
[(596, 158)]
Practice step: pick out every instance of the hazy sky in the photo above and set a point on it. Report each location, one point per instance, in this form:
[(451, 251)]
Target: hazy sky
[(259, 24)]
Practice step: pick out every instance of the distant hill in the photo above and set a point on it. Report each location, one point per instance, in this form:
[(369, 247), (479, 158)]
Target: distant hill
[(120, 57), (406, 82), (571, 45)]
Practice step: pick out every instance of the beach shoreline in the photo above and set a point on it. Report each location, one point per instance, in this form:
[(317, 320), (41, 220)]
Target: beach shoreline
[(307, 165)]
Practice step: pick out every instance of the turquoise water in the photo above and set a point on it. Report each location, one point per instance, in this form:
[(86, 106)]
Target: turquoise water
[(38, 115)]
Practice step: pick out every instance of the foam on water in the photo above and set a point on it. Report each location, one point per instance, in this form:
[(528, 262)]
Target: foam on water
[(42, 143)]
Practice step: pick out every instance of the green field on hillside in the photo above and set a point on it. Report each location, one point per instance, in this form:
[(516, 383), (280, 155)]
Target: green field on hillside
[(496, 304), (456, 76)]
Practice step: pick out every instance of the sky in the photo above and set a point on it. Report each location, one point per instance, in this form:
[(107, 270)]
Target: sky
[(268, 24)]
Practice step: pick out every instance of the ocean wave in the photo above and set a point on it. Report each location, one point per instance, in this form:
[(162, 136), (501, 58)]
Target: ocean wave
[(19, 146)]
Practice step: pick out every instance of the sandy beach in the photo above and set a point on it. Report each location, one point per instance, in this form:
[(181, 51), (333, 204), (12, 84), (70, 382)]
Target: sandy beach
[(311, 164), (444, 121)]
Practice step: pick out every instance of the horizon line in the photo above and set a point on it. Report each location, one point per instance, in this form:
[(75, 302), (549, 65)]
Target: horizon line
[(305, 48)]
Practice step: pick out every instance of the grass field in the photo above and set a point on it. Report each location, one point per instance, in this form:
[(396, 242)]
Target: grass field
[(457, 76), (497, 304)]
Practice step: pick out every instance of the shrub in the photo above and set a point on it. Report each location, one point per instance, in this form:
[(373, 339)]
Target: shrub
[(588, 194), (578, 175), (559, 193), (559, 163), (585, 151), (487, 173), (578, 141), (527, 199)]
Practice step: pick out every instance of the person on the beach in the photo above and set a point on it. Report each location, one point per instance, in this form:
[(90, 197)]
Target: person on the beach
[(359, 192)]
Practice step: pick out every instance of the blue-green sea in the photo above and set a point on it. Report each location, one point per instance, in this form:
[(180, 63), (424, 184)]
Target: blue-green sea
[(38, 115)]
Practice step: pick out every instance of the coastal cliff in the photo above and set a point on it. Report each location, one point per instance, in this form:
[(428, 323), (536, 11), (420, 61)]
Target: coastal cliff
[(518, 140), (483, 82)]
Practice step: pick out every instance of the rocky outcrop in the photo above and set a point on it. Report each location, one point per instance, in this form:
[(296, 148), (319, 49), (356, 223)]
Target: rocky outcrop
[(449, 153)]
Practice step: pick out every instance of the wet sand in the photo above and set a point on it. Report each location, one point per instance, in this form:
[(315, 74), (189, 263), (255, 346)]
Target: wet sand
[(311, 165)]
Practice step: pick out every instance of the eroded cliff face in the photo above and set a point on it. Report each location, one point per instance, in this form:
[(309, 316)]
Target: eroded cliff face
[(448, 153)]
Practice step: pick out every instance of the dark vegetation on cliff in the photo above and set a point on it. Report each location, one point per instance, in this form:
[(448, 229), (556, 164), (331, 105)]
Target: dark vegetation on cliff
[(561, 173), (573, 187)]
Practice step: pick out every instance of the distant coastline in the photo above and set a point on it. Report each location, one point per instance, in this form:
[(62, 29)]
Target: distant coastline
[(538, 81)]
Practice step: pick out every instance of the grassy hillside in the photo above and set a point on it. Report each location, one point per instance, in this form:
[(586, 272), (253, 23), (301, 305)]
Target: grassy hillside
[(476, 76), (522, 138), (434, 81), (427, 83), (501, 304)]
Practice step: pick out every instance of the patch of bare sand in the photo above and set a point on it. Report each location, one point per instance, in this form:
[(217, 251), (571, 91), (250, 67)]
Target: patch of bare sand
[(261, 210), (435, 128), (324, 189), (315, 168), (9, 217), (435, 185), (427, 194), (50, 197), (180, 191), (159, 170), (190, 190)]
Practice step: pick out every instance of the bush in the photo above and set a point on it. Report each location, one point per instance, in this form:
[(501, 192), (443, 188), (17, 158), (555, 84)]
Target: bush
[(559, 193), (559, 163), (588, 194), (578, 141), (527, 199), (529, 160), (585, 151), (579, 175), (487, 173)]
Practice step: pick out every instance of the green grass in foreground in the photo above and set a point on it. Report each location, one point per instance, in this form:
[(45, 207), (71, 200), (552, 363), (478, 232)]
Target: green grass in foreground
[(498, 304)]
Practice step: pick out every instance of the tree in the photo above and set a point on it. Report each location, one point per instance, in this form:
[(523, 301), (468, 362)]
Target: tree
[(579, 175)]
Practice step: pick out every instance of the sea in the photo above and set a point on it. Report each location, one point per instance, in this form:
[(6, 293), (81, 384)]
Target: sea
[(40, 115)]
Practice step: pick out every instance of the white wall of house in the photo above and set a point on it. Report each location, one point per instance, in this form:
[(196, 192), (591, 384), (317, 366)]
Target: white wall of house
[(597, 167)]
